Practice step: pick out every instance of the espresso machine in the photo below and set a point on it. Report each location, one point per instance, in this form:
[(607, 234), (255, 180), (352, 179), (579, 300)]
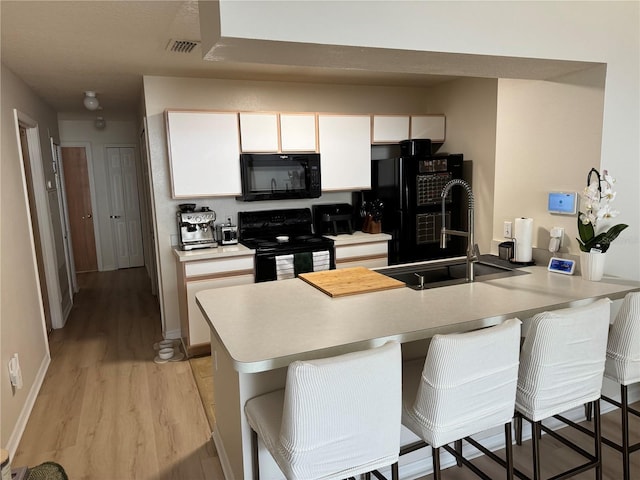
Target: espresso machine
[(196, 227)]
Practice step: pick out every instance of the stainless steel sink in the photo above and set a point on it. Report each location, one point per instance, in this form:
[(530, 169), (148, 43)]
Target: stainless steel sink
[(443, 274)]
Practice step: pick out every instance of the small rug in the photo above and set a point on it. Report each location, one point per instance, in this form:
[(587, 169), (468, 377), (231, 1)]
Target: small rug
[(47, 471)]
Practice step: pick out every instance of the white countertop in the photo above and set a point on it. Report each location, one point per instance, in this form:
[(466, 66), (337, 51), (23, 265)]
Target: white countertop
[(237, 250), (268, 325)]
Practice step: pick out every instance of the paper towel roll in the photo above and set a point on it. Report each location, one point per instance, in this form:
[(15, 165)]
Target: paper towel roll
[(523, 236)]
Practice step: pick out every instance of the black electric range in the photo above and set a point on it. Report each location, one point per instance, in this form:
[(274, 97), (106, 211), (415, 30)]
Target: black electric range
[(284, 242)]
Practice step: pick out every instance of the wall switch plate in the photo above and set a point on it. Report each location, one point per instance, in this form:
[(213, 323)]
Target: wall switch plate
[(507, 230)]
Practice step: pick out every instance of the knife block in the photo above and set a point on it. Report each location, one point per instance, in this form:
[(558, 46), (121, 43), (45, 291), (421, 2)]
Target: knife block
[(371, 226)]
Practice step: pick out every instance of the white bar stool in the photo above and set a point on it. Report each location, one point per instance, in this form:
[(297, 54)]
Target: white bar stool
[(623, 367), (336, 417), (466, 385), (561, 367)]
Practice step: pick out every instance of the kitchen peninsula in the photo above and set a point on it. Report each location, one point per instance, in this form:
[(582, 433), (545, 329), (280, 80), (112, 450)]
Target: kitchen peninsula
[(258, 329)]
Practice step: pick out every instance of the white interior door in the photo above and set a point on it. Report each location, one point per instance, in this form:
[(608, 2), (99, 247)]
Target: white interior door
[(125, 207)]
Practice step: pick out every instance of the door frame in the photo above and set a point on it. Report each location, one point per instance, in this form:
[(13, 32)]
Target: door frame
[(42, 217), (62, 199), (92, 195)]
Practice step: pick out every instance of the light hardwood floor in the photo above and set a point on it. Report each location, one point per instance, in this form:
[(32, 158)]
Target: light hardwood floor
[(106, 410)]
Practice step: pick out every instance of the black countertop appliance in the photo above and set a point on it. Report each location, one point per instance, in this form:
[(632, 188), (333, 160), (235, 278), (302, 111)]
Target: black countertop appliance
[(409, 186), (333, 219)]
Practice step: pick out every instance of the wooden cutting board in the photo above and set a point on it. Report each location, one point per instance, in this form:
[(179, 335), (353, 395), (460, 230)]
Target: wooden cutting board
[(350, 281)]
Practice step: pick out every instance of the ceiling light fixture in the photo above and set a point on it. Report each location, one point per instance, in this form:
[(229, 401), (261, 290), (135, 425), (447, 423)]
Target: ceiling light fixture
[(90, 100)]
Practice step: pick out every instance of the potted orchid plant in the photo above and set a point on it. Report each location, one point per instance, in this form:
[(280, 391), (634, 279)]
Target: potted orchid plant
[(597, 198)]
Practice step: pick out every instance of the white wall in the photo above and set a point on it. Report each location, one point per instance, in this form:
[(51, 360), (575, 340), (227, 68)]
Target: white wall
[(167, 92), (81, 132), (22, 328)]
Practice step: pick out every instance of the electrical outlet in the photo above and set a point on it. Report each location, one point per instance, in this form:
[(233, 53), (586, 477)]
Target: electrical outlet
[(507, 230)]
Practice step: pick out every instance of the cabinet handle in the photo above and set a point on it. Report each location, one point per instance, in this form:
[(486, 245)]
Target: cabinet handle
[(114, 216)]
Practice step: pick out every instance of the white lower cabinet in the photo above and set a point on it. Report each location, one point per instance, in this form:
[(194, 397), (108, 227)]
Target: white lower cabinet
[(195, 276)]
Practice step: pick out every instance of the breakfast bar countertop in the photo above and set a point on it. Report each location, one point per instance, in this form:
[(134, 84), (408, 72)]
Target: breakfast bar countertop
[(265, 326)]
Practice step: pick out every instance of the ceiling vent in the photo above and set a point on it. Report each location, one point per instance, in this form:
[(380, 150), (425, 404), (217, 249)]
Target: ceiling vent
[(182, 46)]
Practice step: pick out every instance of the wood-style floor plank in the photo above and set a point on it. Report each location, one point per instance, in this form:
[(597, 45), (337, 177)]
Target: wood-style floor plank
[(106, 410)]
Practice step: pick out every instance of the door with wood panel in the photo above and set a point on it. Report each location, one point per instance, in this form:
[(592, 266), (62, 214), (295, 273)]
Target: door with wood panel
[(76, 179)]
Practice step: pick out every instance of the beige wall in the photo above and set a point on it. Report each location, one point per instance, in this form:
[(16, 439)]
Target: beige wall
[(548, 138), (164, 92), (470, 108), (21, 318)]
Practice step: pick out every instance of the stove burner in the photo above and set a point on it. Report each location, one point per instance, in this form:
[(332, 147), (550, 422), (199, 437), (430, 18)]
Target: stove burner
[(304, 238), (314, 240)]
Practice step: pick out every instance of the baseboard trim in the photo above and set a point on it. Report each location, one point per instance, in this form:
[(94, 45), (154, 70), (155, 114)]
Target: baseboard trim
[(23, 418), (222, 454)]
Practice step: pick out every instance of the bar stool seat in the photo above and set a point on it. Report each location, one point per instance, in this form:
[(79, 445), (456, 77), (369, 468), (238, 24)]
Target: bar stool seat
[(623, 367), (561, 367), (336, 417), (466, 385)]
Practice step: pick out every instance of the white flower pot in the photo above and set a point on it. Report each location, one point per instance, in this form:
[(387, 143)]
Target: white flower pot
[(592, 265)]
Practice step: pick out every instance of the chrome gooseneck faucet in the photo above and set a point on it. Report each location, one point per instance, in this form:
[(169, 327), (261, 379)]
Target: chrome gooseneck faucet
[(472, 257)]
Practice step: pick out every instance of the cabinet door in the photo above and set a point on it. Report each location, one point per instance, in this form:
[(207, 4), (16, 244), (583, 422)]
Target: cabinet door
[(199, 331), (428, 126), (298, 132), (345, 151), (204, 153), (390, 128), (259, 132)]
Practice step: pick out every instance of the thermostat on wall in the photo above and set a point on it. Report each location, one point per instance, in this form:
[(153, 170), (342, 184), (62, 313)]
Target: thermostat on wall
[(562, 265), (564, 203)]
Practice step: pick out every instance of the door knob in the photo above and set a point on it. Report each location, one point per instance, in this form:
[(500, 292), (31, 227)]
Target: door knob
[(89, 215)]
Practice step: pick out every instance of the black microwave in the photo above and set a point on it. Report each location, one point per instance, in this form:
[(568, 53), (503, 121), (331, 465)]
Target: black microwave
[(274, 176)]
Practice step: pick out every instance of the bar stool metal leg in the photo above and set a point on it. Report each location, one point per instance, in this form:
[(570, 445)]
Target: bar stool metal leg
[(458, 447), (255, 464), (535, 445), (435, 456), (597, 438)]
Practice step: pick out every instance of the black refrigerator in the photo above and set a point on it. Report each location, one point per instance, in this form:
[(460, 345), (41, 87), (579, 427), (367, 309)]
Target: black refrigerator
[(410, 186)]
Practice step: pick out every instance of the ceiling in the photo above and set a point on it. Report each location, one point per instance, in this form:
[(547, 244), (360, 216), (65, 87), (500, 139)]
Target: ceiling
[(63, 48)]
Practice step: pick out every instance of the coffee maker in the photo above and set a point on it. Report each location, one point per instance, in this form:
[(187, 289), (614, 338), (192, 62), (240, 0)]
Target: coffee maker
[(196, 227)]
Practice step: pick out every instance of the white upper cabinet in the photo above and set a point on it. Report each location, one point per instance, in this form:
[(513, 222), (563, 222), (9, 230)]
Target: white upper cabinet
[(298, 132), (259, 132), (204, 153), (345, 151), (428, 126), (390, 128)]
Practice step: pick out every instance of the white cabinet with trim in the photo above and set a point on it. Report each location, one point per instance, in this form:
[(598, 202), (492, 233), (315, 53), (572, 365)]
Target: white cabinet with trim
[(204, 151), (259, 132), (345, 151), (361, 249), (428, 126), (298, 132), (197, 271), (390, 128)]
